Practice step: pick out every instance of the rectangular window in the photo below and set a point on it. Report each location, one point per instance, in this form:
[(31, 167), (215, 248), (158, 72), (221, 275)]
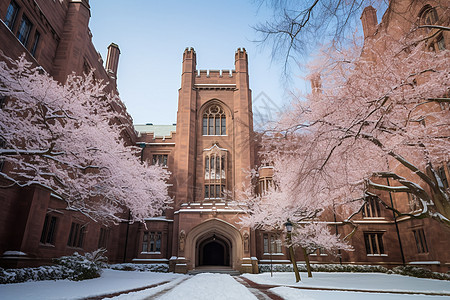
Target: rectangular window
[(271, 243), (151, 242), (319, 252), (371, 208), (103, 238), (266, 243), (215, 191), (207, 167), (24, 30), (211, 126), (264, 184), (49, 230), (145, 242), (421, 243), (205, 126), (374, 243), (76, 235), (160, 159), (11, 14), (218, 167), (224, 126), (217, 126), (37, 36)]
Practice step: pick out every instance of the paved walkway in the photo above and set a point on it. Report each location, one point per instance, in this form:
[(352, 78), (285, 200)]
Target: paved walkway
[(221, 286)]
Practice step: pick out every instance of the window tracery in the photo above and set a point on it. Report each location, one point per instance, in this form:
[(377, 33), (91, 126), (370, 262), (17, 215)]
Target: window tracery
[(214, 121)]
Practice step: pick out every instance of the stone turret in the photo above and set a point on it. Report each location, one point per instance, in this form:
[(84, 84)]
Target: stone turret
[(112, 60), (369, 21)]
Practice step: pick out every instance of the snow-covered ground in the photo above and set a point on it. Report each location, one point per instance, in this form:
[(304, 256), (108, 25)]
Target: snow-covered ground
[(111, 281), (360, 281), (296, 294), (220, 286), (351, 281)]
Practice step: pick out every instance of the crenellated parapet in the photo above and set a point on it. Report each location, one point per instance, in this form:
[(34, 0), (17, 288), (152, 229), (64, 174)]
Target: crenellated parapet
[(241, 53), (215, 73), (189, 53)]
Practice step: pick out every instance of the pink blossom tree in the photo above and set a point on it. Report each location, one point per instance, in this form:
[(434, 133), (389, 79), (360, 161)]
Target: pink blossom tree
[(382, 115), (65, 138), (377, 120), (293, 197)]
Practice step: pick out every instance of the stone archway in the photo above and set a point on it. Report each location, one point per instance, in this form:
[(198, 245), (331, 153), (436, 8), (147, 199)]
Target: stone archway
[(214, 241)]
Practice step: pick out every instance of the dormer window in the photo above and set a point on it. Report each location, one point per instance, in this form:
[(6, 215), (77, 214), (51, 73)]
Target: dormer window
[(214, 121)]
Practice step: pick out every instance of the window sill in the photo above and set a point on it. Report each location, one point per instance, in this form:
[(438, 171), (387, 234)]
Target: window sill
[(46, 245), (377, 255), (73, 247), (273, 254), (150, 252), (214, 135)]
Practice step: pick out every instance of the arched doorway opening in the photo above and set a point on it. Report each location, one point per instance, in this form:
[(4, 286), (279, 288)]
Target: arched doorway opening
[(214, 251), (226, 234)]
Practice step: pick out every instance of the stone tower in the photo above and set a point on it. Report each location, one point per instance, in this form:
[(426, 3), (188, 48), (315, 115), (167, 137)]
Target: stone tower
[(212, 150)]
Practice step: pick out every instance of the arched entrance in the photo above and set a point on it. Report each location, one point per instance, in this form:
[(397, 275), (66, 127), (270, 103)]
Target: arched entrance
[(206, 241), (213, 251)]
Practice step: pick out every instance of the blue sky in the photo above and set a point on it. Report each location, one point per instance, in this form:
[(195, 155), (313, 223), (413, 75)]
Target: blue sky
[(152, 36)]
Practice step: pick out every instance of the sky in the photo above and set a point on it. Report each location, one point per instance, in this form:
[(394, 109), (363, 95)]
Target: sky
[(152, 36)]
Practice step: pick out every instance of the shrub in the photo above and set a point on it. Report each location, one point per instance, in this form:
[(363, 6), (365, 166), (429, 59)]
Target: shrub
[(35, 274), (85, 267), (419, 272), (75, 267), (162, 268), (401, 270), (324, 268)]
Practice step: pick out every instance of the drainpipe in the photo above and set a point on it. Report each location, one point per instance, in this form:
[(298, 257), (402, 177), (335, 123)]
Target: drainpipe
[(337, 233), (396, 225), (126, 237)]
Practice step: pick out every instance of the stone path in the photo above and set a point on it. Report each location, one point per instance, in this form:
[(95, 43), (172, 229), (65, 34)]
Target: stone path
[(203, 289)]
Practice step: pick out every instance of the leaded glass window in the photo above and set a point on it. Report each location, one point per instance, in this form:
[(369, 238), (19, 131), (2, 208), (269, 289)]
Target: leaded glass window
[(214, 121)]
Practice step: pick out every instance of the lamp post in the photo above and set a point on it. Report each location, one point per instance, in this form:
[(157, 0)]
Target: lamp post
[(288, 225)]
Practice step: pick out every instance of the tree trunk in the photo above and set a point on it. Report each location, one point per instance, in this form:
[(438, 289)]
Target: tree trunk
[(308, 265), (294, 264)]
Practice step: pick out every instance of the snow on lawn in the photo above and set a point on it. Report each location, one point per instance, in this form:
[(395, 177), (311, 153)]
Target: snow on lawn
[(111, 281), (209, 286), (295, 294), (361, 281)]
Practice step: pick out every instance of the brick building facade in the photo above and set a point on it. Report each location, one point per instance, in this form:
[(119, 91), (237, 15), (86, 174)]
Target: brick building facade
[(35, 225), (207, 152)]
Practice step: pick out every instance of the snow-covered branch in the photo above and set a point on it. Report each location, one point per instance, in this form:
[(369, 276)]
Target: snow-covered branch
[(64, 139)]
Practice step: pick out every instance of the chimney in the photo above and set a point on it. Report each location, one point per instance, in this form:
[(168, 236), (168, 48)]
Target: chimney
[(369, 21), (112, 60), (316, 83)]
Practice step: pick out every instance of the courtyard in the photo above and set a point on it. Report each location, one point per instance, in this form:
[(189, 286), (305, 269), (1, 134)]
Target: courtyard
[(149, 285)]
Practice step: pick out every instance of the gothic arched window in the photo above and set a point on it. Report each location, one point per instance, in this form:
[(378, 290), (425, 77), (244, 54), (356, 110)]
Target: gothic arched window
[(214, 121)]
